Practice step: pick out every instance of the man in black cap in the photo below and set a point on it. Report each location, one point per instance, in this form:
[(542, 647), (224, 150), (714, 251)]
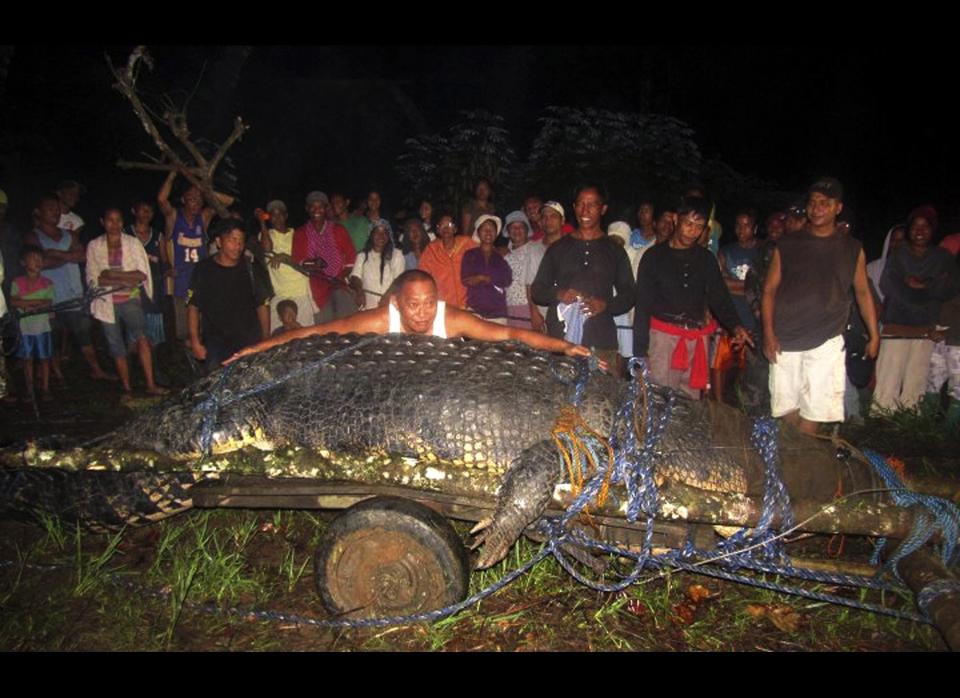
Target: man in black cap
[(806, 303)]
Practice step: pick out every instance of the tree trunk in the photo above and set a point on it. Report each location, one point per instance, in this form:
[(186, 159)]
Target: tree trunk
[(921, 569), (853, 516)]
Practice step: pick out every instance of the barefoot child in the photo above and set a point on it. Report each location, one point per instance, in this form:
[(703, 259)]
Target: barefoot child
[(28, 293)]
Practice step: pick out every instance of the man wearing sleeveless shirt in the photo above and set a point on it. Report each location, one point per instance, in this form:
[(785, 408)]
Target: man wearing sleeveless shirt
[(805, 308), (414, 308), (184, 239)]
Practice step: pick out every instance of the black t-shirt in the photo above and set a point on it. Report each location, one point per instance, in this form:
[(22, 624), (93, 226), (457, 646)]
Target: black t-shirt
[(595, 268), (677, 286), (227, 301), (813, 300)]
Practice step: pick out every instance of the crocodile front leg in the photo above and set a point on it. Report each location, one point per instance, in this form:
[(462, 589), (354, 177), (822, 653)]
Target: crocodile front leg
[(524, 494)]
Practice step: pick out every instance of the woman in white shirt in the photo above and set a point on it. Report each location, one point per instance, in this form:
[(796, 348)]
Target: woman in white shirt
[(376, 267)]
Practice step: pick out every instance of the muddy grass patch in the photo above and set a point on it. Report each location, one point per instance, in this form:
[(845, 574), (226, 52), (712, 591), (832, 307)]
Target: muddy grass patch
[(145, 591)]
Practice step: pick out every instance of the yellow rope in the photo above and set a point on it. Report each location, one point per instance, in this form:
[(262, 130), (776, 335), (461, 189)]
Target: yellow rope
[(567, 425)]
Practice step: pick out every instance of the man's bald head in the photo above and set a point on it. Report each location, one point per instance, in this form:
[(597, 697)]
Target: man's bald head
[(415, 297), (410, 276)]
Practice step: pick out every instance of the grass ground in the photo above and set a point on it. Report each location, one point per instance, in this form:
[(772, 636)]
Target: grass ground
[(143, 589)]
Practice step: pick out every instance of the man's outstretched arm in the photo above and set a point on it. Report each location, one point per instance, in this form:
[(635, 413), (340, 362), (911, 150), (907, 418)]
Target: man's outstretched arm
[(361, 323), (460, 323)]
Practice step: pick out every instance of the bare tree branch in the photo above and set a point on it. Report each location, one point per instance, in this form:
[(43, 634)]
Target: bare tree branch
[(196, 86), (126, 85), (136, 56), (151, 157), (168, 103), (239, 128), (153, 114), (200, 171), (177, 123), (154, 166)]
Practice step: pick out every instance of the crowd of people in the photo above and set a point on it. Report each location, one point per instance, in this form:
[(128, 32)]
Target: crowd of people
[(784, 320)]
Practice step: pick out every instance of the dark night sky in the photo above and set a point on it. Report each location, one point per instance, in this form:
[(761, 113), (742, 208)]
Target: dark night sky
[(877, 118)]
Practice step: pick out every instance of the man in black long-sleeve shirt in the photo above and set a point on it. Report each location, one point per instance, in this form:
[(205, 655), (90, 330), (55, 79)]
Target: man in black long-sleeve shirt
[(676, 282), (589, 265)]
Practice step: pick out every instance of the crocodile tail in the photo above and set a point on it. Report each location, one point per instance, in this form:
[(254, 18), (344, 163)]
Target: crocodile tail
[(100, 500)]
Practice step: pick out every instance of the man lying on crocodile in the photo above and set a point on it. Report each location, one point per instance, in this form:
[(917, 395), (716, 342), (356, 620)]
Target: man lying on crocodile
[(415, 309)]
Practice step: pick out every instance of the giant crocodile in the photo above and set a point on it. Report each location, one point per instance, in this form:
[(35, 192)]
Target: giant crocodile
[(480, 414), (475, 406)]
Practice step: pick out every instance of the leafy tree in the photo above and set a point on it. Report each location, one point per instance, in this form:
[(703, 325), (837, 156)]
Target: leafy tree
[(445, 166), (630, 152)]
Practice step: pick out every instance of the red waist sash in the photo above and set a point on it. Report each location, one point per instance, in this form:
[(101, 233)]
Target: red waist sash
[(680, 359)]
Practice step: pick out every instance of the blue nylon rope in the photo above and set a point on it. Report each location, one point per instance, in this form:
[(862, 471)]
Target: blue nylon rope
[(934, 515), (634, 467), (934, 590)]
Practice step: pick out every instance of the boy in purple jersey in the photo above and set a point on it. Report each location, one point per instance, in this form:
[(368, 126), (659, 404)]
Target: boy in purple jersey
[(185, 230)]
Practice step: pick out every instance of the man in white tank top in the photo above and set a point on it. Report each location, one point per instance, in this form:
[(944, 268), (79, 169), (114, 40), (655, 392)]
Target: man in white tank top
[(415, 309), (439, 329)]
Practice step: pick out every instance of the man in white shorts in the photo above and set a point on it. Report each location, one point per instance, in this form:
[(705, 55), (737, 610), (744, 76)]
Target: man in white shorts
[(805, 308)]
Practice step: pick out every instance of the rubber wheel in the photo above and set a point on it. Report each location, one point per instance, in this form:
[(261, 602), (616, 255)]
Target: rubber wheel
[(389, 556)]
